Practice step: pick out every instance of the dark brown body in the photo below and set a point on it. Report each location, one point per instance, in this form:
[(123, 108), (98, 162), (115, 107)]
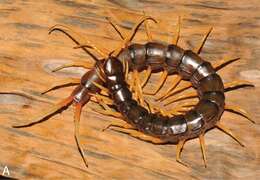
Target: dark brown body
[(188, 65)]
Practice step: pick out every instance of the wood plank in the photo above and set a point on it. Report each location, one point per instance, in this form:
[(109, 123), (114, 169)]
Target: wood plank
[(48, 151)]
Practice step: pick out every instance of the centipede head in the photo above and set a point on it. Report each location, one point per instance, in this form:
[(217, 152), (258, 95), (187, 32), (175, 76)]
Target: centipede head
[(113, 67)]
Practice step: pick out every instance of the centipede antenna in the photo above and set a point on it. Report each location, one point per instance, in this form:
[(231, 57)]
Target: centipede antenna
[(85, 65), (202, 145), (116, 27), (238, 110), (177, 31), (77, 113), (224, 62), (45, 115), (62, 84), (175, 83), (102, 53), (181, 97), (147, 75), (147, 30), (179, 148), (237, 84), (160, 83), (227, 131), (132, 34), (56, 28), (198, 49)]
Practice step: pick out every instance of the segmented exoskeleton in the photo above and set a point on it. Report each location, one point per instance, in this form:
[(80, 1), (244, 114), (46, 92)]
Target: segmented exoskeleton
[(109, 76)]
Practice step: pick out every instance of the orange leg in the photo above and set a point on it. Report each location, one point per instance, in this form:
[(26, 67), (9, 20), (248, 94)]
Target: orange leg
[(181, 97), (160, 83), (107, 110), (227, 131), (62, 84), (177, 31), (106, 99), (222, 63), (199, 48), (139, 135), (147, 75), (78, 108), (177, 90), (181, 108), (202, 145), (119, 123), (177, 80), (44, 115), (237, 84), (138, 87), (238, 110), (179, 148)]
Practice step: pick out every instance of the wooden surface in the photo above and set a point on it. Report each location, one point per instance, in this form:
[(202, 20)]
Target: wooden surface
[(48, 151)]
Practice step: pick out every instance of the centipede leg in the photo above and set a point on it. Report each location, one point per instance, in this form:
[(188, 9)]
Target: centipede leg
[(107, 110), (77, 113), (121, 124), (177, 90), (227, 131), (106, 90), (181, 108), (44, 115), (147, 75), (181, 97), (177, 32), (175, 83), (202, 145), (106, 99), (160, 83), (139, 135), (237, 84), (138, 87), (126, 69), (85, 65), (179, 148), (62, 84), (199, 48), (238, 110), (222, 63)]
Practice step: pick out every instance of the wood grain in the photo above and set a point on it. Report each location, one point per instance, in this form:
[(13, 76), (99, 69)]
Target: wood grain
[(48, 151)]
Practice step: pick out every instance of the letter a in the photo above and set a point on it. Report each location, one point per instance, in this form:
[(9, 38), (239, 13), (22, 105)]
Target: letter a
[(6, 171)]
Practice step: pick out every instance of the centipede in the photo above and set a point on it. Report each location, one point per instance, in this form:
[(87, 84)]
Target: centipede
[(107, 83)]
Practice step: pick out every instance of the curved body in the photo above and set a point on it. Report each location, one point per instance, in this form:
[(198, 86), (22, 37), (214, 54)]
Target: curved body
[(188, 65)]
